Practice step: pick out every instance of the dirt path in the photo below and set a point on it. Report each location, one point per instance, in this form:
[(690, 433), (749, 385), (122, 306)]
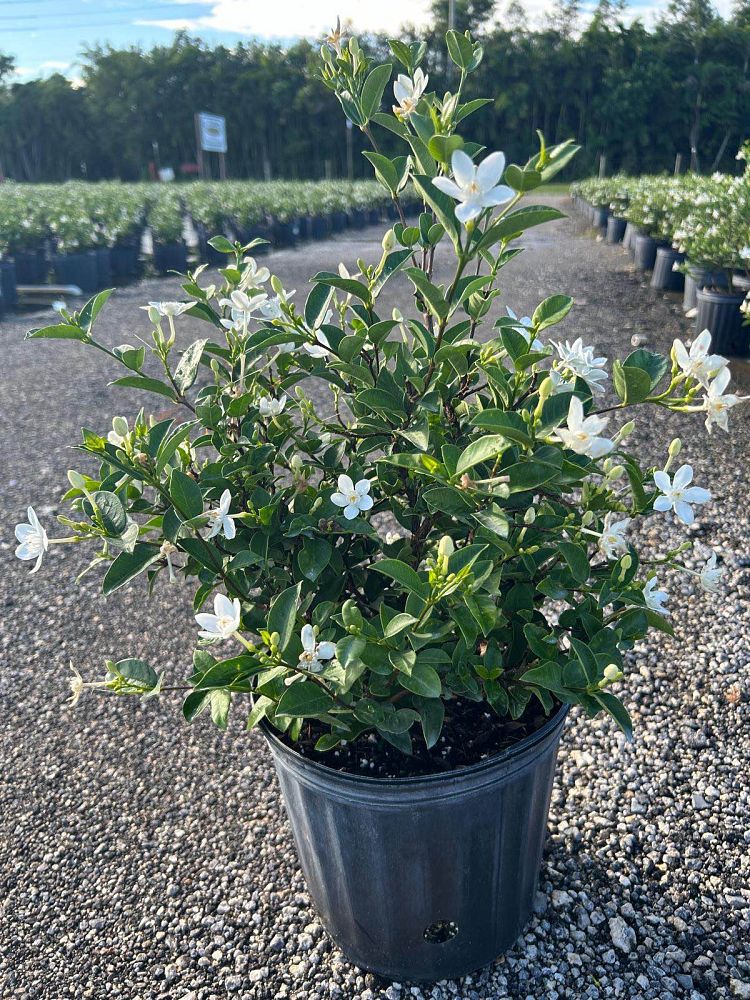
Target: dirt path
[(141, 858)]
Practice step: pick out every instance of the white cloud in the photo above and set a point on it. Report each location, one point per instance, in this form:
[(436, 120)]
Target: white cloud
[(286, 18), (41, 69)]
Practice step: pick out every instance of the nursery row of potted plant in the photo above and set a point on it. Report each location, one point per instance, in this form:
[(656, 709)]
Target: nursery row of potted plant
[(692, 233), (92, 235)]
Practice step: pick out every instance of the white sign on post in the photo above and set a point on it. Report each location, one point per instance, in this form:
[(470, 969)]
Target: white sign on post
[(212, 132)]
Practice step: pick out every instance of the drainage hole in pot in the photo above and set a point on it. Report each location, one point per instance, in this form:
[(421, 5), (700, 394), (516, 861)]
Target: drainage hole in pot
[(440, 932)]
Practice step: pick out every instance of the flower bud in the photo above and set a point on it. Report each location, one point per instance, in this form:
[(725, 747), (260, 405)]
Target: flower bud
[(389, 241), (626, 562), (624, 431), (276, 284), (545, 389), (615, 472), (530, 516), (612, 672), (120, 426), (446, 548), (153, 315), (675, 448)]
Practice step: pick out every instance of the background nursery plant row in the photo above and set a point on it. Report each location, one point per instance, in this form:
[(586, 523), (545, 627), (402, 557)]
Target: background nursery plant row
[(705, 218), (79, 216)]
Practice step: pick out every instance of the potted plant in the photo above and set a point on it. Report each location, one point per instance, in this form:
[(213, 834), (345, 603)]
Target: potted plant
[(74, 238), (404, 591), (22, 232), (166, 221)]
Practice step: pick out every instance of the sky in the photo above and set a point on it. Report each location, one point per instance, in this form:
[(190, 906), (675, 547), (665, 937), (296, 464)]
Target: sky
[(48, 36)]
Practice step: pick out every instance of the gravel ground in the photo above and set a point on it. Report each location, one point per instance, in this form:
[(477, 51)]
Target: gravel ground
[(142, 858)]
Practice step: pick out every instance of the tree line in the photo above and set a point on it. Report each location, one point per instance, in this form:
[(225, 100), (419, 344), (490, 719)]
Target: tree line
[(638, 96)]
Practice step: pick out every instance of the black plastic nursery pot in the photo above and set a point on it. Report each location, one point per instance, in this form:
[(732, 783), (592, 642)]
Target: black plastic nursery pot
[(8, 292), (31, 267), (104, 267), (373, 217), (720, 313), (665, 277), (170, 257), (285, 234), (628, 240), (320, 227), (423, 878), (599, 217), (80, 269), (339, 222), (615, 229), (697, 277), (357, 218), (644, 257), (124, 259)]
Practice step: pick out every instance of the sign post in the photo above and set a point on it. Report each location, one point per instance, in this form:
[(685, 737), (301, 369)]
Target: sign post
[(211, 137)]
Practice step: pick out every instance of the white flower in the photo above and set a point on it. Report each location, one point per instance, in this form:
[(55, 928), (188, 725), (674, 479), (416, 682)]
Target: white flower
[(314, 653), (655, 599), (678, 494), (59, 305), (224, 622), (222, 519), (253, 276), (717, 404), (698, 363), (612, 541), (476, 188), (580, 361), (77, 686), (353, 497), (271, 308), (408, 91), (582, 434), (321, 348), (33, 539), (270, 407), (525, 326), (119, 432), (711, 574), (337, 37), (745, 253), (169, 308)]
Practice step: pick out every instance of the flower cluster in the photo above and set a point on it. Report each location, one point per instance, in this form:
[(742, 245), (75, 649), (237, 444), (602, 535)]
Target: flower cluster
[(453, 524)]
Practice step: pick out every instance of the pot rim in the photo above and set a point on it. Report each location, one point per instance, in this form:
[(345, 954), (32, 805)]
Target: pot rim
[(505, 757), (722, 295)]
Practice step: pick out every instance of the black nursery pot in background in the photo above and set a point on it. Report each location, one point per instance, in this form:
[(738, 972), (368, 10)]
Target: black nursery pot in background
[(665, 277), (170, 257), (104, 267), (615, 229), (80, 269), (644, 257), (599, 218), (31, 267), (8, 292), (124, 259), (423, 878), (697, 277), (720, 313)]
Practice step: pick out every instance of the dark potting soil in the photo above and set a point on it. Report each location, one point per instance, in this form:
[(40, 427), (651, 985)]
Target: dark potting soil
[(471, 733)]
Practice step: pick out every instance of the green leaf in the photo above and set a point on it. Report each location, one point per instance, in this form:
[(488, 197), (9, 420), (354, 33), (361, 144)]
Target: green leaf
[(398, 624), (314, 557), (516, 223), (385, 170), (59, 331), (220, 700), (460, 49), (283, 614), (552, 310), (187, 369), (403, 574), (480, 451), (317, 305), (431, 714), (431, 294), (194, 704), (221, 244), (494, 520), (112, 514), (442, 147), (632, 385), (93, 307), (372, 90), (522, 180), (547, 675), (146, 384), (128, 565), (304, 699), (185, 494), (614, 707), (577, 559), (423, 680), (511, 425), (655, 365)]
